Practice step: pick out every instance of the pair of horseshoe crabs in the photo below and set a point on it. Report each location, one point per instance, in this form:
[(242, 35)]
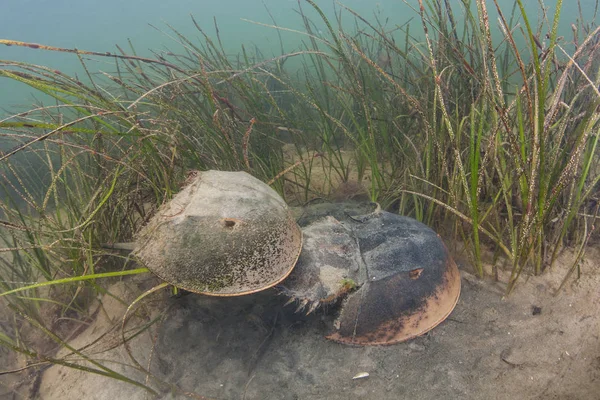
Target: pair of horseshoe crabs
[(229, 234)]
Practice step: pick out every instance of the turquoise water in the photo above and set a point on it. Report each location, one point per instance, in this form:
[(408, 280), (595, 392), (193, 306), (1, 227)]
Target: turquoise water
[(99, 25)]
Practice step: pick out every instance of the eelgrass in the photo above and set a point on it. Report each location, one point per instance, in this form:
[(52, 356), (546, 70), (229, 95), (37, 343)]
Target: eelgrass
[(496, 139)]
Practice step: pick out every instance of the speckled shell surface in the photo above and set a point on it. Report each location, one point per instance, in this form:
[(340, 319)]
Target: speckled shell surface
[(225, 234), (329, 264)]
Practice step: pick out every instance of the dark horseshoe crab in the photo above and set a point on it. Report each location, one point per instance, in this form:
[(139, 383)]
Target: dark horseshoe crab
[(229, 234), (395, 275)]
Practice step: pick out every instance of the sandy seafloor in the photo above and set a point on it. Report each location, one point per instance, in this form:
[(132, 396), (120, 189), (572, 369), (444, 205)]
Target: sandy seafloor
[(531, 345)]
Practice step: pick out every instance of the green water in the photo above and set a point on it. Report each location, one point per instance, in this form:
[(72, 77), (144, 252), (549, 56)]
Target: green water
[(99, 25)]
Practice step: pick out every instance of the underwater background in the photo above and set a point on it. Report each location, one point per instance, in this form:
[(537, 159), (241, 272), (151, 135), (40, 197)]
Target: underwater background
[(490, 137), (99, 25)]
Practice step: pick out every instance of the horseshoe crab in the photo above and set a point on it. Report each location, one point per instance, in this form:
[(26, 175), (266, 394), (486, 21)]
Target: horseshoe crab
[(229, 234), (393, 274), (225, 234)]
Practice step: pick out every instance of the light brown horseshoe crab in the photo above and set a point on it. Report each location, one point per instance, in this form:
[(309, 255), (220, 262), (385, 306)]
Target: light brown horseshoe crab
[(229, 234), (225, 234)]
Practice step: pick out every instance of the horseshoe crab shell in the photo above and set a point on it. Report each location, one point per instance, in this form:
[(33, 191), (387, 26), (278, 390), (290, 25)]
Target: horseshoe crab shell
[(394, 274), (225, 234)]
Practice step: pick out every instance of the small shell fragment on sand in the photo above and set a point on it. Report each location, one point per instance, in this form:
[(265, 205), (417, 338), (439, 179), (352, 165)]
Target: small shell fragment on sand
[(361, 375)]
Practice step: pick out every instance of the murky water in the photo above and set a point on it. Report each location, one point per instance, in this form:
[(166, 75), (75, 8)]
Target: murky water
[(99, 25)]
